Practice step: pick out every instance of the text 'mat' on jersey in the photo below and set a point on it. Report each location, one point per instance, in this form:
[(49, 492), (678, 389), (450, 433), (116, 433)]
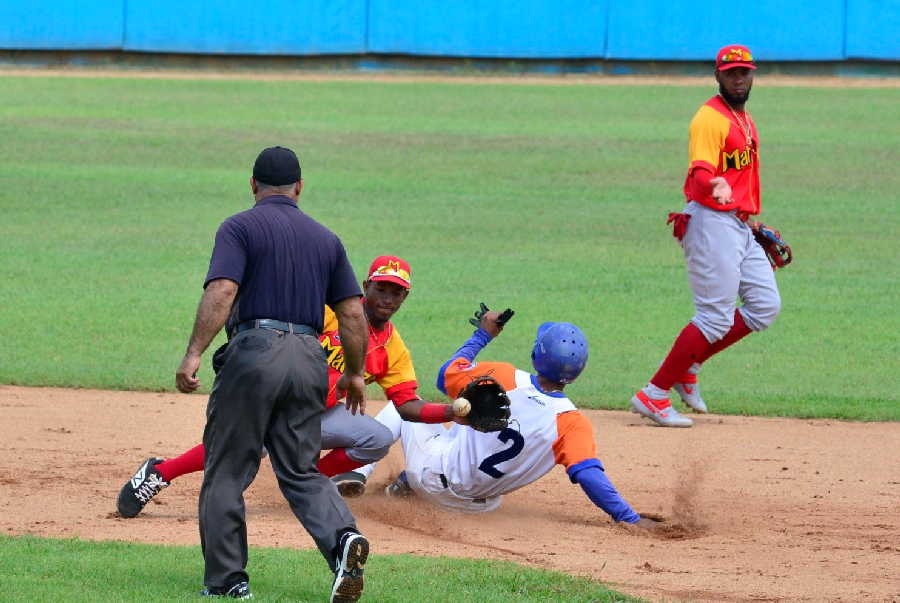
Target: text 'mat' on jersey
[(718, 143), (545, 429), (388, 361)]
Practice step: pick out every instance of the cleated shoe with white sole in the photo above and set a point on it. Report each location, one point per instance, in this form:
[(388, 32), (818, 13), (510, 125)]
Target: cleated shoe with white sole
[(689, 391), (146, 483), (241, 590), (348, 578), (350, 484), (658, 411)]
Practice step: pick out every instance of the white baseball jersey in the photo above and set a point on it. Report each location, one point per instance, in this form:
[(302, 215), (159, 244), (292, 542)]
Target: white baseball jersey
[(469, 471), (545, 429)]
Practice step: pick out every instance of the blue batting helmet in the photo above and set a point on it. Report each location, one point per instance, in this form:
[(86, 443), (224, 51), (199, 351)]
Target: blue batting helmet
[(560, 351)]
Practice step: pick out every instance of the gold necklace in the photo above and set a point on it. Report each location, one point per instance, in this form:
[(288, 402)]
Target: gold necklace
[(745, 127), (373, 334)]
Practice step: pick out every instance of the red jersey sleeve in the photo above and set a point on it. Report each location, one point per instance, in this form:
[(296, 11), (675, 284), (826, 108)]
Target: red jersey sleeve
[(403, 393)]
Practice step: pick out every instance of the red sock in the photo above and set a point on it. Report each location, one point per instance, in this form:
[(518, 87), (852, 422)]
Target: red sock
[(188, 462), (738, 331), (337, 462), (689, 346)]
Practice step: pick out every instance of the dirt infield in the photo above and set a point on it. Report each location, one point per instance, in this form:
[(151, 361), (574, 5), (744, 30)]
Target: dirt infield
[(758, 509)]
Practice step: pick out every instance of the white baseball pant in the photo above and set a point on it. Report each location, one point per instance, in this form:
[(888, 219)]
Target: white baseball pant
[(423, 447)]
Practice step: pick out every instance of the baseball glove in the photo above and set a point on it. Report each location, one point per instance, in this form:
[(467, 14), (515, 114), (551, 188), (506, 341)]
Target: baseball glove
[(490, 405), (778, 252), (501, 320)]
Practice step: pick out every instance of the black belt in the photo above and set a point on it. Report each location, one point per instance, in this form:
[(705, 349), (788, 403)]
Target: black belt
[(275, 325), (446, 485)]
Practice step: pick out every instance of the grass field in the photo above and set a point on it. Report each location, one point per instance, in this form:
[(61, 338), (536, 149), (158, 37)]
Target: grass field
[(74, 570), (547, 199)]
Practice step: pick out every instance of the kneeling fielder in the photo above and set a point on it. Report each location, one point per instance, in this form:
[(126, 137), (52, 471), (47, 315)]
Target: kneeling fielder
[(466, 470)]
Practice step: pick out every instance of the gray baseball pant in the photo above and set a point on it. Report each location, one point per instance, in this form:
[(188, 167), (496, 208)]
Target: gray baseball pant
[(365, 439), (725, 262), (270, 391)]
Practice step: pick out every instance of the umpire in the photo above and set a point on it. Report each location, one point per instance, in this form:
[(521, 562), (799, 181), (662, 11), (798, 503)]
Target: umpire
[(272, 271)]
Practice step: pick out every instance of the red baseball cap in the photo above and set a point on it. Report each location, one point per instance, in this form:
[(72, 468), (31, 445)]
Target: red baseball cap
[(390, 268), (734, 55)]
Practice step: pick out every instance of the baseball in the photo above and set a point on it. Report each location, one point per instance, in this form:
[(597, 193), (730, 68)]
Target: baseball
[(461, 407)]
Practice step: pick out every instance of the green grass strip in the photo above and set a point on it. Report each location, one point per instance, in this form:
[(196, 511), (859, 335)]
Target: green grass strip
[(39, 569)]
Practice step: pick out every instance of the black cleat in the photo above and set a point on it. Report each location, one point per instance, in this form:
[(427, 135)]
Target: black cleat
[(241, 590), (138, 491), (350, 484), (348, 579)]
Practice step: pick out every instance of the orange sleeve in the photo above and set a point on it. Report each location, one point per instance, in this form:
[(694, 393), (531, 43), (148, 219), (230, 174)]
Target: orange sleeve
[(575, 442), (708, 131), (460, 372), (330, 321)]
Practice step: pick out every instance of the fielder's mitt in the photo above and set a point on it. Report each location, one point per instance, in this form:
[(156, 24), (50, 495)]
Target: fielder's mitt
[(501, 320), (778, 252), (490, 406)]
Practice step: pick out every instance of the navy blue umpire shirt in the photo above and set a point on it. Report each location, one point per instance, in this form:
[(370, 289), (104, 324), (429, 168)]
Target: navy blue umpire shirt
[(287, 265)]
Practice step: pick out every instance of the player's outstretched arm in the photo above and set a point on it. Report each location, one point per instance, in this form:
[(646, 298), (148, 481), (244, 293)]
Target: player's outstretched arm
[(422, 411), (576, 450), (589, 474), (592, 478), (489, 326), (412, 408), (404, 395), (492, 322)]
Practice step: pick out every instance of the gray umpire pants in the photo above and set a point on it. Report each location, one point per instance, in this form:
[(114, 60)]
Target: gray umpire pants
[(269, 391)]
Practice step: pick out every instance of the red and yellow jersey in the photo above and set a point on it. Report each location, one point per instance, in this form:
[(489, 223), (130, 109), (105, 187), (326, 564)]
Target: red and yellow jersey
[(545, 429), (719, 143), (388, 361)]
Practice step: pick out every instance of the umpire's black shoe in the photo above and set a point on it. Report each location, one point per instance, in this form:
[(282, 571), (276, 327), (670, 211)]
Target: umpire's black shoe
[(350, 484), (241, 590), (138, 491), (353, 550)]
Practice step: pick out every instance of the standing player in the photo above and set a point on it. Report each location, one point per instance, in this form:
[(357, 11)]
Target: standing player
[(466, 470), (724, 261), (354, 439)]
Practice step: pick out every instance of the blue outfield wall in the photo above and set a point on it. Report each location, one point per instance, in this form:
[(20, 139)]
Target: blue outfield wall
[(641, 30), (775, 30), (61, 24), (527, 29), (873, 30), (275, 27)]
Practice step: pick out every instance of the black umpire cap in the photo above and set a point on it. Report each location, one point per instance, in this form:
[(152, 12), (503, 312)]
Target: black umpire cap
[(277, 166)]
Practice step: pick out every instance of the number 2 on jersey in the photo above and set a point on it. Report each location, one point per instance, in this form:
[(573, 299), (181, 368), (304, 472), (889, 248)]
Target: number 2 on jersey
[(489, 464)]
